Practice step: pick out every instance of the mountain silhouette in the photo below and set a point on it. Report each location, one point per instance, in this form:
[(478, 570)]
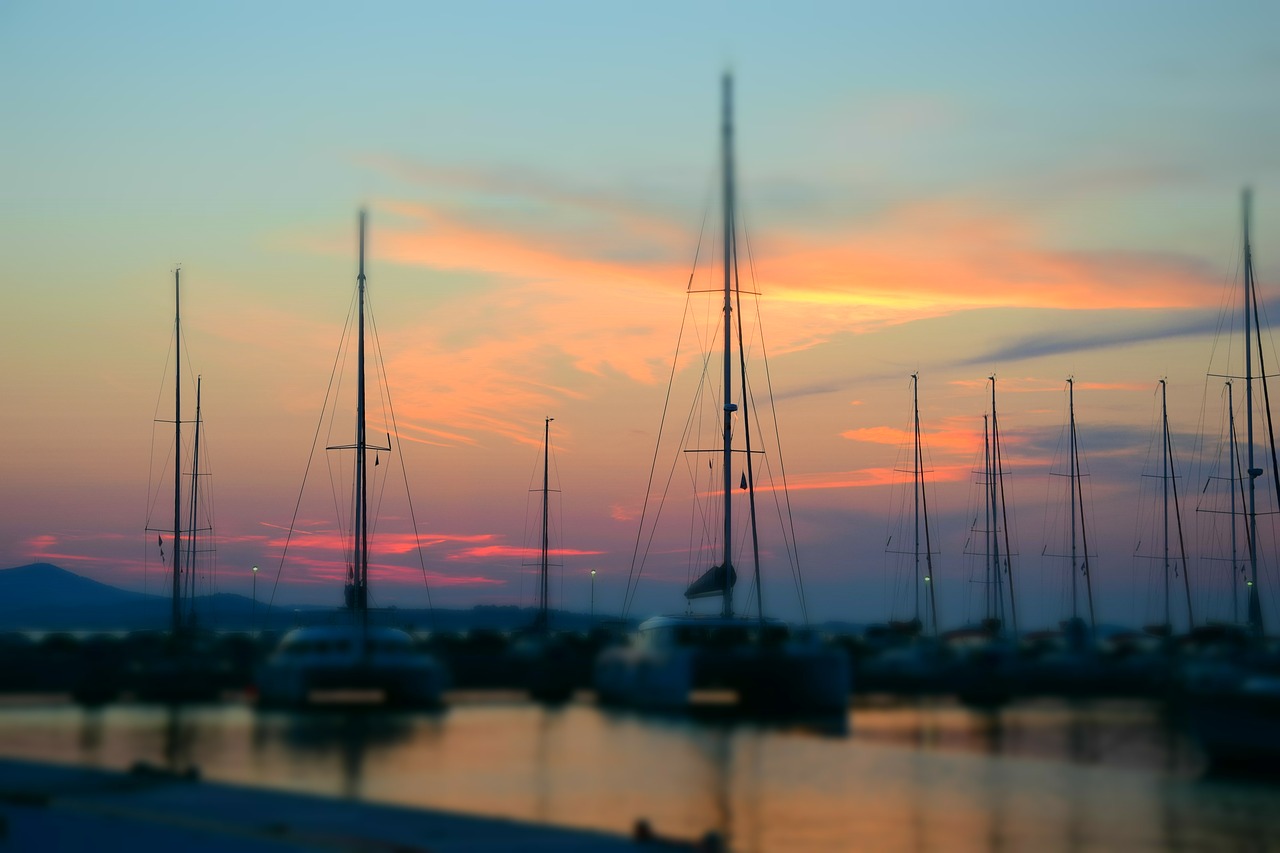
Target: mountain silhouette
[(43, 585)]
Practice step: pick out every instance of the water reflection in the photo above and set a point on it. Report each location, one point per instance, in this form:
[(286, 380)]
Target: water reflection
[(337, 744), (916, 778), (90, 737), (178, 741)]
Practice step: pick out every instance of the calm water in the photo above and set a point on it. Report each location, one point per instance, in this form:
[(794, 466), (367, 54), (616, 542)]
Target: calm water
[(1048, 776)]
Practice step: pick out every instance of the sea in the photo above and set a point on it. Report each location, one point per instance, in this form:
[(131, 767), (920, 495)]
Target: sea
[(919, 775)]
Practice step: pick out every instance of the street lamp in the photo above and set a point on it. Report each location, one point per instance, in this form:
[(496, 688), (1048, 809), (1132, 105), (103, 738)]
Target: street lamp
[(255, 599), (593, 598)]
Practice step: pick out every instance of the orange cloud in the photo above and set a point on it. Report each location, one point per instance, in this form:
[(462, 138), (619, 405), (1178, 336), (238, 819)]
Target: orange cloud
[(572, 305)]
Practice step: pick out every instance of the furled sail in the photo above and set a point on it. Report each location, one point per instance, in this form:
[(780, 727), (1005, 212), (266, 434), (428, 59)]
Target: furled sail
[(714, 581)]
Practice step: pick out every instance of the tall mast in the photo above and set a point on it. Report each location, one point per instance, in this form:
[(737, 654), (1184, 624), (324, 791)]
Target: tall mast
[(1164, 455), (923, 503), (1071, 408), (1235, 477), (997, 489), (544, 614), (993, 463), (1177, 516), (193, 502), (917, 477), (988, 487), (1251, 522), (729, 406), (176, 615), (361, 602), (1077, 511)]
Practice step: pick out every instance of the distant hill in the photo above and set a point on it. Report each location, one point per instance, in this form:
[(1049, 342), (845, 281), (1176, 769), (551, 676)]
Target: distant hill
[(44, 597), (43, 585)]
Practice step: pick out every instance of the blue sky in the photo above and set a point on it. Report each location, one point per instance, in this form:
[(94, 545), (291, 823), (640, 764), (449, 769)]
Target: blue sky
[(1029, 189)]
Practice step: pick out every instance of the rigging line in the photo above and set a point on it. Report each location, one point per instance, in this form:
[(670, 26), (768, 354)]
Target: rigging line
[(928, 545), (1238, 475), (527, 535), (793, 547), (315, 440), (632, 575), (705, 509), (632, 579), (1084, 527), (338, 485), (1004, 515), (1266, 396), (746, 432), (153, 492), (788, 524), (1177, 514), (404, 472), (695, 413)]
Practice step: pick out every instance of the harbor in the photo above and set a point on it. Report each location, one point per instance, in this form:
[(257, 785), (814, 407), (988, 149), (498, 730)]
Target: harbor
[(585, 427), (929, 774)]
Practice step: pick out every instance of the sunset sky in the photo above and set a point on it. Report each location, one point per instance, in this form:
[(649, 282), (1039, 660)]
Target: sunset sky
[(1031, 191)]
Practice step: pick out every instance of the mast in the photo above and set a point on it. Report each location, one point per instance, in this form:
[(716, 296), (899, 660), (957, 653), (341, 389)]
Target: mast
[(361, 598), (997, 491), (1235, 477), (1078, 511), (543, 611), (176, 615), (917, 476), (1071, 408), (1251, 521), (193, 507), (1079, 563), (729, 406), (993, 577), (922, 512), (1164, 456), (1177, 515), (356, 592), (993, 533)]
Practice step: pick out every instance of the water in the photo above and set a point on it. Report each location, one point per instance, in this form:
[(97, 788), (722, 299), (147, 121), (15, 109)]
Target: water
[(1043, 776)]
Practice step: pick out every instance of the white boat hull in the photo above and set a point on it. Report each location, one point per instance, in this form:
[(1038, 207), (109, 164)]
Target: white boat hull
[(345, 664)]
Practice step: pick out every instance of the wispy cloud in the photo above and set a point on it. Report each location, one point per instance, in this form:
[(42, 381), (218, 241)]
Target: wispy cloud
[(491, 552), (568, 304), (1085, 336)]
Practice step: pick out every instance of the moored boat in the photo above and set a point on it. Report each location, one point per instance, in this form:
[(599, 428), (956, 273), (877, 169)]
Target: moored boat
[(353, 660), (760, 665)]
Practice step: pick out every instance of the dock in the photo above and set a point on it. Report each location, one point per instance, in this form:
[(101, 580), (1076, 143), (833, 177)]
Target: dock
[(46, 807)]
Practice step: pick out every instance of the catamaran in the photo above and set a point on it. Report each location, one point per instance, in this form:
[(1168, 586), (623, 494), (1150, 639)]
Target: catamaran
[(353, 660)]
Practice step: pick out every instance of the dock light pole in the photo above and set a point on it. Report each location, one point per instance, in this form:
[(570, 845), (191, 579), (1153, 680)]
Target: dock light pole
[(593, 598), (255, 600)]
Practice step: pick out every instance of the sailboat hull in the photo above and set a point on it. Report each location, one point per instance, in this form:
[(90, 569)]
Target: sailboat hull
[(345, 664), (671, 659)]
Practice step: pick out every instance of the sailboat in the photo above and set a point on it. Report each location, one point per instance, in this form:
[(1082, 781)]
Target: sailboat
[(1231, 691), (1174, 563), (983, 656), (547, 664), (756, 660), (1067, 661), (990, 526), (190, 666), (182, 553), (907, 655), (353, 661)]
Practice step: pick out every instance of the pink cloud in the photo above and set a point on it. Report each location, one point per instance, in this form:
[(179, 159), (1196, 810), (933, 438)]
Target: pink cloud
[(509, 551)]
